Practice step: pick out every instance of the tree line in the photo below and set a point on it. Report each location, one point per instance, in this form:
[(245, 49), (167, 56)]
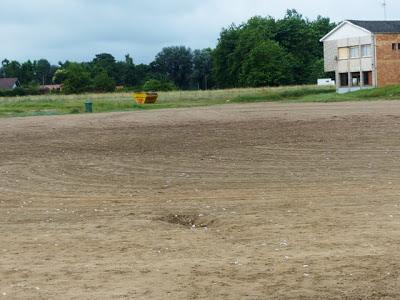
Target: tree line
[(260, 52)]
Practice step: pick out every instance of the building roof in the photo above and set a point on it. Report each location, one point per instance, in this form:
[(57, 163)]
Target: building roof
[(370, 27), (51, 86), (8, 83), (378, 26)]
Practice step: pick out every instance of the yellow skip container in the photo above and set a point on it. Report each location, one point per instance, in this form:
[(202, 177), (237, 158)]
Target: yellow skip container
[(145, 98)]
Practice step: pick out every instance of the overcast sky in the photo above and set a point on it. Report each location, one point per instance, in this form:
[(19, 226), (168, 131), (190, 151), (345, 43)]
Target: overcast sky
[(78, 29)]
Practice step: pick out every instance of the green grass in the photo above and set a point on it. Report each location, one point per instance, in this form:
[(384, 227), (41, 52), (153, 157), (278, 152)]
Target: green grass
[(385, 93), (70, 104), (284, 94)]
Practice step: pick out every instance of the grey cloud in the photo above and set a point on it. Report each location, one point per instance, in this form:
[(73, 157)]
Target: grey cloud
[(78, 29)]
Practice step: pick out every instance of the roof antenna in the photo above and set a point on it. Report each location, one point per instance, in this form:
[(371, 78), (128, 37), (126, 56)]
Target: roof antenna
[(384, 5)]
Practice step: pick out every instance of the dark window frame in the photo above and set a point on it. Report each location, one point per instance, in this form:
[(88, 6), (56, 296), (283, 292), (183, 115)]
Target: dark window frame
[(366, 78), (344, 79)]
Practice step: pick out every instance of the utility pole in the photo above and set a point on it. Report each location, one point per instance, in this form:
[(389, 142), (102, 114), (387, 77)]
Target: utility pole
[(384, 5)]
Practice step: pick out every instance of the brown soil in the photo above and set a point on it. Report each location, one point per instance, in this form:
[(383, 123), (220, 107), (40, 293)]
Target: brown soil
[(261, 201)]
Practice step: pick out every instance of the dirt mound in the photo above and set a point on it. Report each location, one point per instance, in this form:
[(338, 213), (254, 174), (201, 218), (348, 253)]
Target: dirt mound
[(193, 220)]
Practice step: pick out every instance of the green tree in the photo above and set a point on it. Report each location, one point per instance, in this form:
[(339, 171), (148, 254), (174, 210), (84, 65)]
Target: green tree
[(141, 74), (316, 70), (224, 59), (130, 75), (252, 33), (242, 57), (235, 44), (27, 75), (11, 68), (202, 68), (267, 65), (128, 60), (60, 76), (107, 62), (103, 83), (77, 79), (5, 62), (43, 71), (123, 71), (175, 63), (296, 35)]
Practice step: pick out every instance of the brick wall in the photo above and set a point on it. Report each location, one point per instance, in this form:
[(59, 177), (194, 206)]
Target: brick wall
[(388, 60)]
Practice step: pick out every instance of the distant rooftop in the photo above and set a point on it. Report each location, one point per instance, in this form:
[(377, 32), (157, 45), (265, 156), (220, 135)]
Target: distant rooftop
[(378, 26), (7, 83)]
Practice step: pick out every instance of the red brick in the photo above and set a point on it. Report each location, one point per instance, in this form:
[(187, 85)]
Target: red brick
[(388, 60)]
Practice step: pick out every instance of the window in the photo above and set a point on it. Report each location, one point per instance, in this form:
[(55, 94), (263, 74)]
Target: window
[(367, 78), (355, 79), (396, 46), (343, 53), (354, 52), (344, 79), (366, 50)]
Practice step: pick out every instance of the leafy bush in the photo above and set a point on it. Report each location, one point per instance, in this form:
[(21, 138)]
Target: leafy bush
[(103, 83), (20, 91), (159, 86)]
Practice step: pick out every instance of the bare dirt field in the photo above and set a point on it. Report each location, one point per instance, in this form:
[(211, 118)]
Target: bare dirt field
[(260, 201)]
